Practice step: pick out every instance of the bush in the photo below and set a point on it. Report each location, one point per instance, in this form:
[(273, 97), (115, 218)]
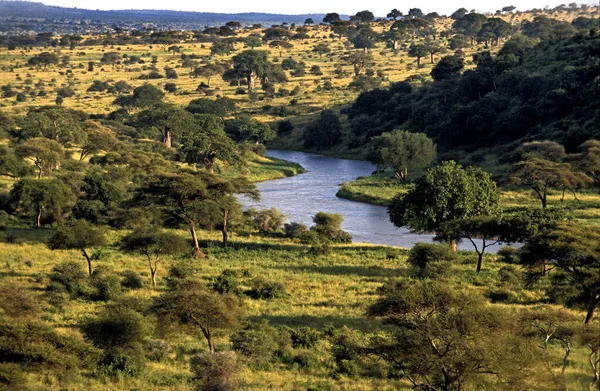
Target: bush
[(306, 360), (257, 342), (501, 296), (106, 286), (284, 128), (227, 282), (131, 280), (157, 350), (509, 276), (348, 368), (263, 289), (508, 254), (215, 372), (295, 230), (178, 273), (305, 337), (120, 333), (170, 87), (69, 277), (269, 220), (431, 259), (16, 302)]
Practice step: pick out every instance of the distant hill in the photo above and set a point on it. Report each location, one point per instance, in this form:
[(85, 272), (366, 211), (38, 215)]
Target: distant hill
[(23, 17)]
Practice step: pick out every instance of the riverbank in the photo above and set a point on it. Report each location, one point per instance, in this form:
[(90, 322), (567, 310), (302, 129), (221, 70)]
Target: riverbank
[(263, 168), (380, 189)]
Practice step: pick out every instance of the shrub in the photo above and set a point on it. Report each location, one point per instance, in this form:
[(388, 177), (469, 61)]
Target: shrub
[(510, 276), (305, 337), (269, 220), (107, 286), (263, 289), (178, 273), (257, 342), (508, 254), (284, 128), (215, 372), (157, 350), (306, 360), (170, 87), (348, 368), (120, 333), (431, 259), (131, 280), (16, 301), (227, 282), (295, 230), (501, 296), (70, 277)]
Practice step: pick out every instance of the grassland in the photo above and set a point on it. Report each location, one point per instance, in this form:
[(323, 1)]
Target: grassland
[(380, 189), (332, 289)]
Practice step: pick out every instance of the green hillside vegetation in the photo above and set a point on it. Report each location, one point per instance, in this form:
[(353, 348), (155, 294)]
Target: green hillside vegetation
[(128, 262)]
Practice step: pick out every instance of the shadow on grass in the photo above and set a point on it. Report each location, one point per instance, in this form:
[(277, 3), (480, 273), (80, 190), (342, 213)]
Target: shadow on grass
[(319, 322), (372, 271), (26, 235)]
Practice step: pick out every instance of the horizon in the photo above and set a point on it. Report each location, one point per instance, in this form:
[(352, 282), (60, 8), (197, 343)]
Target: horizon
[(342, 7)]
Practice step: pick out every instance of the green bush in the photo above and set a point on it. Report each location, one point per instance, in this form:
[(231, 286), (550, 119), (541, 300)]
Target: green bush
[(120, 333), (306, 360), (263, 289), (430, 259), (131, 280), (157, 350), (215, 372), (305, 337), (257, 342), (348, 368), (508, 254), (177, 273), (70, 277), (295, 230), (227, 282), (106, 286)]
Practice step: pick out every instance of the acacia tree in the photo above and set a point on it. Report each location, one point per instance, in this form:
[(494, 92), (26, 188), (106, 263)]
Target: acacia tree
[(445, 193), (45, 154), (54, 123), (77, 235), (541, 175), (169, 120), (99, 138), (208, 71), (251, 64), (573, 252), (143, 97), (447, 339), (419, 51), (153, 243), (191, 304), (469, 25), (33, 198), (359, 61), (206, 142), (400, 150), (281, 46), (588, 161)]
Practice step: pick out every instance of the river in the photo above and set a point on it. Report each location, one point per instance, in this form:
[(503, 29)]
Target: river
[(301, 196)]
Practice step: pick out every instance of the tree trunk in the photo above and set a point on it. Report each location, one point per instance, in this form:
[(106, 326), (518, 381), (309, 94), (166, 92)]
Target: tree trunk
[(479, 261), (453, 245), (431, 57), (250, 80), (167, 138), (197, 252), (419, 61), (566, 357), (89, 261), (153, 269), (590, 313), (224, 229), (39, 218)]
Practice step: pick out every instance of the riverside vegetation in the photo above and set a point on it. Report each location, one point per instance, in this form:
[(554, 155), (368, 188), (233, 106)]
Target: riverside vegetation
[(127, 261)]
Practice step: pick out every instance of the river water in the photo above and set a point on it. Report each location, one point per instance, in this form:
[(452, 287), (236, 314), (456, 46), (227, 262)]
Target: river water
[(302, 196)]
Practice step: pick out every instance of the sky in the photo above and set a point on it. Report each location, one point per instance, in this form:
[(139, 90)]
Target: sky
[(350, 7)]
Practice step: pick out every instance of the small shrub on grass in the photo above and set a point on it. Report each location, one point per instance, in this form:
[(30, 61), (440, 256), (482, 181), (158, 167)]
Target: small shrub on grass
[(510, 277), (107, 286), (178, 273), (69, 277), (508, 254), (306, 360), (294, 230), (264, 289), (501, 295), (257, 342), (227, 282), (305, 337), (431, 260), (216, 372), (157, 350), (131, 280)]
